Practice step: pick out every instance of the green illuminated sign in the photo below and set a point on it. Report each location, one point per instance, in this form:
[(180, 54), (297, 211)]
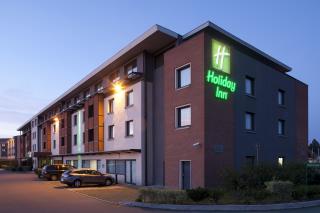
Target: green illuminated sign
[(224, 85), (219, 74), (220, 56)]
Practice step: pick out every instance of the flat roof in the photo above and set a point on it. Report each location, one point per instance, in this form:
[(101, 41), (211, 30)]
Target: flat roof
[(162, 36)]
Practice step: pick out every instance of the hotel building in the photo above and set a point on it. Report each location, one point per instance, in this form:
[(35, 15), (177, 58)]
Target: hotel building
[(176, 111)]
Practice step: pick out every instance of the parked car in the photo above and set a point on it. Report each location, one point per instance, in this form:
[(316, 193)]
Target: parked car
[(79, 177), (54, 172)]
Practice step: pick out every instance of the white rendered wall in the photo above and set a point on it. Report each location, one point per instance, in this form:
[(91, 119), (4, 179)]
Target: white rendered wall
[(77, 129)]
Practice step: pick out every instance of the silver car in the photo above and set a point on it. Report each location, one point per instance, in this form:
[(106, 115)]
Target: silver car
[(79, 177)]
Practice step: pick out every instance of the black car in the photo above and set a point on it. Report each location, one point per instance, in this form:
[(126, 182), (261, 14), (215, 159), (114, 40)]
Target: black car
[(54, 172), (79, 177)]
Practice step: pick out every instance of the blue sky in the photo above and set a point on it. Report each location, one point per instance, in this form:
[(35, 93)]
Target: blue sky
[(47, 46)]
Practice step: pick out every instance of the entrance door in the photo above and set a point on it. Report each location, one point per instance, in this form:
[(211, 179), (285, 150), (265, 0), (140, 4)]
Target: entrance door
[(185, 172), (131, 171)]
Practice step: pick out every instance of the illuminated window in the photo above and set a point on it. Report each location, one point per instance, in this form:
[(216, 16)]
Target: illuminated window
[(249, 86), (183, 116), (75, 139), (75, 120), (129, 98), (129, 128), (280, 161), (90, 111), (62, 141), (111, 132), (281, 127), (183, 76), (281, 97), (91, 135), (249, 121), (110, 105)]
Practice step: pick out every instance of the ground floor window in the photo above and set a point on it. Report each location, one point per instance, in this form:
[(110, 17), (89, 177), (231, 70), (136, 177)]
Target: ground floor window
[(57, 162), (75, 163), (126, 168), (68, 162), (98, 165), (85, 163)]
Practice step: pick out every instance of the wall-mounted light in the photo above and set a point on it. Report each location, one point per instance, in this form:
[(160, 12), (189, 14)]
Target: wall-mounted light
[(56, 119), (117, 87)]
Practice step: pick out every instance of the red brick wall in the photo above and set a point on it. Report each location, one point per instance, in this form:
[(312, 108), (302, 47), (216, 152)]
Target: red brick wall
[(301, 121), (179, 143), (219, 128)]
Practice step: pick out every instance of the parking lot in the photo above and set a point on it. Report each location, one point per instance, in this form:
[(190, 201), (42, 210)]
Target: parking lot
[(24, 192)]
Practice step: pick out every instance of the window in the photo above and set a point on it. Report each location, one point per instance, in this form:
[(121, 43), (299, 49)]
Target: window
[(90, 111), (249, 121), (75, 120), (54, 128), (249, 86), (62, 123), (114, 76), (250, 161), (44, 145), (90, 135), (111, 166), (129, 98), (68, 162), (99, 87), (62, 141), (129, 128), (87, 94), (75, 163), (44, 131), (75, 139), (111, 132), (281, 127), (85, 163), (183, 76), (54, 144), (110, 105), (83, 137), (183, 116), (132, 68), (83, 116), (280, 161), (280, 97)]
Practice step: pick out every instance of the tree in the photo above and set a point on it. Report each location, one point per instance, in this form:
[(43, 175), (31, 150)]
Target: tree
[(314, 149)]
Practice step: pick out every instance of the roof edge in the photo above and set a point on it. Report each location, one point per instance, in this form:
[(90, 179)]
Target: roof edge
[(285, 67)]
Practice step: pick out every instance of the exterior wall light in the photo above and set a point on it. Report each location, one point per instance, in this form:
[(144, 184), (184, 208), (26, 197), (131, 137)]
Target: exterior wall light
[(56, 119), (117, 87)]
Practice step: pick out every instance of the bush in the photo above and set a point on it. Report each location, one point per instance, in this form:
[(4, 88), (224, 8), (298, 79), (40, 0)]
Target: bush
[(299, 192), (313, 191), (162, 196), (216, 194), (198, 194), (281, 188)]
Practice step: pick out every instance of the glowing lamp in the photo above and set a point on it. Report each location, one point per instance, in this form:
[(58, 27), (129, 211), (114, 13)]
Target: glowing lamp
[(117, 87)]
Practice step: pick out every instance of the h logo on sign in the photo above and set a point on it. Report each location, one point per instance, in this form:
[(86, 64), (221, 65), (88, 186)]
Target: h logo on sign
[(220, 56)]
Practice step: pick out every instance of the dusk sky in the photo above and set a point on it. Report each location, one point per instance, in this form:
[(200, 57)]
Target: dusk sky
[(40, 41)]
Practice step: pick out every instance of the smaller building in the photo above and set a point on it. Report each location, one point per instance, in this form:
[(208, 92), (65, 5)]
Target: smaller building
[(3, 148)]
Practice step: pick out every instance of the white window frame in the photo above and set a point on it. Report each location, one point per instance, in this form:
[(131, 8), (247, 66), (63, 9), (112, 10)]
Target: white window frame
[(176, 76), (176, 116)]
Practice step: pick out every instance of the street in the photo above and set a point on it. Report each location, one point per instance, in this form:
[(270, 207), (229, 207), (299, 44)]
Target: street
[(23, 192)]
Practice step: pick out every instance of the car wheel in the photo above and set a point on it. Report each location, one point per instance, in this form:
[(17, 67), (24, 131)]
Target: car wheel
[(54, 177), (108, 182), (77, 183)]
